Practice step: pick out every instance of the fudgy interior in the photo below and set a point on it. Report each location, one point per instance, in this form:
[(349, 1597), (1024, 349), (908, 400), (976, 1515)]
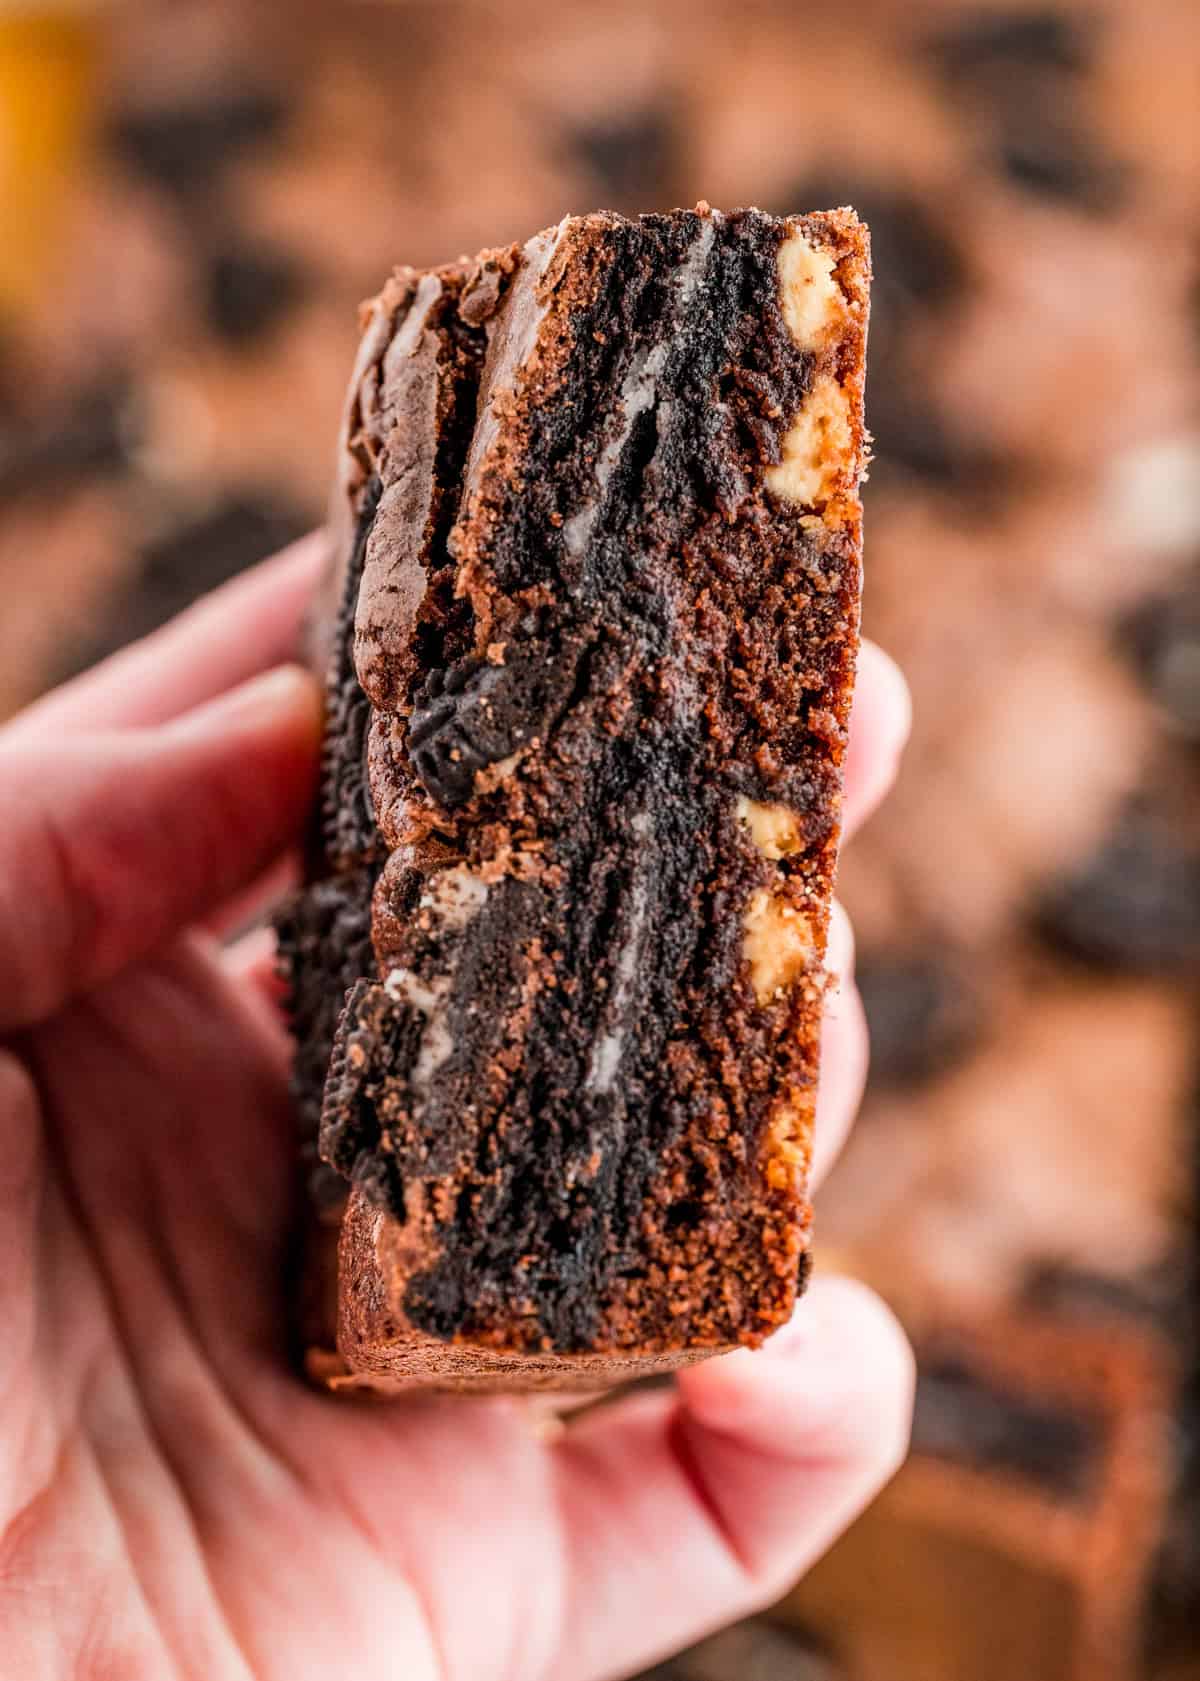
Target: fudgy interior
[(555, 1064)]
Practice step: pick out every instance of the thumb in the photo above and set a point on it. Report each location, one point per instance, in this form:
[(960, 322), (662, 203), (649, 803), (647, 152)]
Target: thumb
[(112, 842)]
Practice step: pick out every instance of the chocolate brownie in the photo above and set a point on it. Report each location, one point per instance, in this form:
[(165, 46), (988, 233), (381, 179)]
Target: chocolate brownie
[(1019, 1538), (588, 692)]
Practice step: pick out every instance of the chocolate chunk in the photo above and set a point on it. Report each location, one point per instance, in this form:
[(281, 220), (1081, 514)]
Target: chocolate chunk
[(250, 289), (182, 147), (922, 1013), (1135, 905), (961, 1416), (628, 153)]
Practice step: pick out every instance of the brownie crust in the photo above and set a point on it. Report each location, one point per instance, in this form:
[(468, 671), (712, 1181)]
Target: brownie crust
[(589, 677)]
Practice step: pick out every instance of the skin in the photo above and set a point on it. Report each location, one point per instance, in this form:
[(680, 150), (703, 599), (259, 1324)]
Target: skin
[(173, 1500)]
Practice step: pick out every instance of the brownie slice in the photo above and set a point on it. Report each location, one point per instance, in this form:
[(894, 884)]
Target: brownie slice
[(589, 683), (1019, 1538)]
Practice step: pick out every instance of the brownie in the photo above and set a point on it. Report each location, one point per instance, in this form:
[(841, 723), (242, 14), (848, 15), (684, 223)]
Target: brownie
[(1019, 1538), (589, 677)]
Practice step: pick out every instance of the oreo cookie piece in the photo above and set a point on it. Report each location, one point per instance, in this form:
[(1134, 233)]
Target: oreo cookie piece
[(324, 938), (599, 582), (480, 712)]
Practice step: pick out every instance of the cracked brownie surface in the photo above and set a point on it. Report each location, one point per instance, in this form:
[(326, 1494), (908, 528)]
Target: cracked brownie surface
[(589, 679)]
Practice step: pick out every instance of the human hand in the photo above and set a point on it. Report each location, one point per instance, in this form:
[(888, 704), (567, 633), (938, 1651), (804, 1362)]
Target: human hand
[(173, 1500)]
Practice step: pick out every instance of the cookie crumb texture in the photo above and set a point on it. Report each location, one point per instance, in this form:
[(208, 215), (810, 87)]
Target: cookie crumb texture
[(588, 699)]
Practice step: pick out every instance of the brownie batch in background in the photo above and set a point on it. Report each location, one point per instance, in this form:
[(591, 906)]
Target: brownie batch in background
[(590, 644)]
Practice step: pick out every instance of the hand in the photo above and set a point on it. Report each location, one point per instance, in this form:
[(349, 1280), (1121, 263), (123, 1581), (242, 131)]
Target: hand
[(174, 1502)]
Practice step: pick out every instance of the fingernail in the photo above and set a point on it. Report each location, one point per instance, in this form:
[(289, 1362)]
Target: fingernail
[(288, 694)]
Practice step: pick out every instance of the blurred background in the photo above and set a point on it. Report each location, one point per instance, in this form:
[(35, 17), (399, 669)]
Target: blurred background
[(194, 196)]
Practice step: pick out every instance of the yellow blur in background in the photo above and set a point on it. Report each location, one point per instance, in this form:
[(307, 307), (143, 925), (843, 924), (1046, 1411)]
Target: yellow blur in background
[(48, 74)]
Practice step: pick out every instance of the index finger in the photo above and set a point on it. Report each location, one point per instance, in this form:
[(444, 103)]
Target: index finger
[(246, 627)]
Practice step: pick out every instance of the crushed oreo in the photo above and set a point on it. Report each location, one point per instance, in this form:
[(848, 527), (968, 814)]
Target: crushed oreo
[(324, 941), (478, 713), (370, 1030)]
